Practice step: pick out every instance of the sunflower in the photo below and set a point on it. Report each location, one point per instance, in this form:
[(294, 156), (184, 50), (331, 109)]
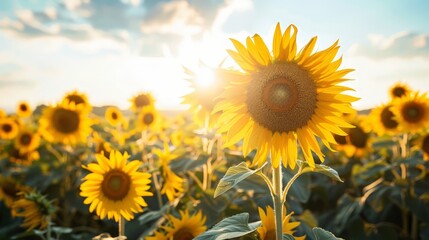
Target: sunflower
[(27, 141), (101, 146), (184, 228), (267, 231), (8, 128), (382, 120), (66, 123), (207, 85), (412, 112), (9, 189), (78, 98), (35, 209), (173, 184), (114, 116), (115, 188), (25, 158), (23, 109), (283, 98), (358, 140), (399, 90), (147, 118), (141, 100)]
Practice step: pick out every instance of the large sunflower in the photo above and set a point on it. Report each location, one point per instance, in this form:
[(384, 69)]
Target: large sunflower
[(173, 184), (141, 100), (78, 98), (23, 109), (114, 116), (382, 120), (66, 123), (412, 112), (267, 231), (115, 188), (35, 209), (187, 227), (27, 141), (399, 90), (8, 128), (283, 98)]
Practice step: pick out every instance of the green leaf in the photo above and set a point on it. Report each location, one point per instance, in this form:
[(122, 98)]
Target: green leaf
[(231, 227), (300, 189), (320, 168), (62, 230), (322, 234), (234, 175), (288, 237)]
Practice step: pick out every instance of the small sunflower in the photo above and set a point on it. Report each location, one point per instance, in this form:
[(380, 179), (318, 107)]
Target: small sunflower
[(173, 184), (101, 146), (66, 123), (8, 128), (27, 141), (283, 98), (114, 116), (141, 100), (267, 231), (399, 90), (26, 158), (412, 112), (23, 109), (115, 188), (9, 189), (35, 209), (78, 98), (382, 120), (187, 227), (147, 118), (358, 141)]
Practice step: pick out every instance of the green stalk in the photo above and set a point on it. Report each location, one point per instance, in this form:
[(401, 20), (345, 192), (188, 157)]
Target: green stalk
[(121, 226), (277, 199)]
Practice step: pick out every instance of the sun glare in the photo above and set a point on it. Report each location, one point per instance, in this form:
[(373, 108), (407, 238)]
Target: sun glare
[(205, 77)]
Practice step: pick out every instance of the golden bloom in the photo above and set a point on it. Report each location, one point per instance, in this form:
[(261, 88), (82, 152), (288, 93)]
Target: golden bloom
[(115, 188), (184, 228), (35, 209), (114, 116), (101, 146), (77, 98), (27, 141), (267, 231), (23, 109), (358, 140), (147, 118), (382, 120), (8, 128), (412, 112), (66, 123), (9, 189), (141, 100), (173, 184), (284, 97), (399, 90), (26, 158)]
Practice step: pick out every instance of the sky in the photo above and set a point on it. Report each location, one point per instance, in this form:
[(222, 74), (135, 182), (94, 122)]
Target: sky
[(112, 50)]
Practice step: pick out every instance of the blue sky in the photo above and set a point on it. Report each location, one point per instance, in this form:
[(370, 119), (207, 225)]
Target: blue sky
[(112, 49)]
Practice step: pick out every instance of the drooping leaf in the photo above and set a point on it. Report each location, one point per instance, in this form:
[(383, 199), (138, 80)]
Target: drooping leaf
[(323, 169), (322, 234), (233, 176), (231, 227)]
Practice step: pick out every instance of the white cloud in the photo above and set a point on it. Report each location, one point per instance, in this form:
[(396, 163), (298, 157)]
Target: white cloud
[(402, 44), (230, 7)]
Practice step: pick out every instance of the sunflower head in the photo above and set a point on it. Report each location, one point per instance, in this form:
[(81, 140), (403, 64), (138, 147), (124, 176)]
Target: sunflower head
[(23, 109), (141, 100), (382, 120), (65, 122), (114, 116), (77, 98), (412, 112), (186, 227), (10, 189), (267, 230), (421, 143), (27, 141), (8, 128), (114, 187), (358, 141), (399, 90), (284, 98), (148, 118), (26, 158), (36, 210)]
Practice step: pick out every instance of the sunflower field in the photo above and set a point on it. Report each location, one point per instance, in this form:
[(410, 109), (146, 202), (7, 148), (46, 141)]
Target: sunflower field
[(273, 150)]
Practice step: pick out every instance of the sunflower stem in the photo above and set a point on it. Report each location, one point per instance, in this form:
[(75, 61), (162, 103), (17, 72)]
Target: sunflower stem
[(121, 226), (277, 199), (49, 229)]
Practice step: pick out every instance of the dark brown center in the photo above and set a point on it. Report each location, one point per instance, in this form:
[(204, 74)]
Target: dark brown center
[(270, 235), (281, 97), (387, 118), (116, 185), (413, 112), (142, 100), (76, 99), (148, 118), (65, 121), (114, 116), (6, 127), (425, 144), (183, 234), (25, 139), (358, 137), (23, 107), (399, 91), (341, 140)]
